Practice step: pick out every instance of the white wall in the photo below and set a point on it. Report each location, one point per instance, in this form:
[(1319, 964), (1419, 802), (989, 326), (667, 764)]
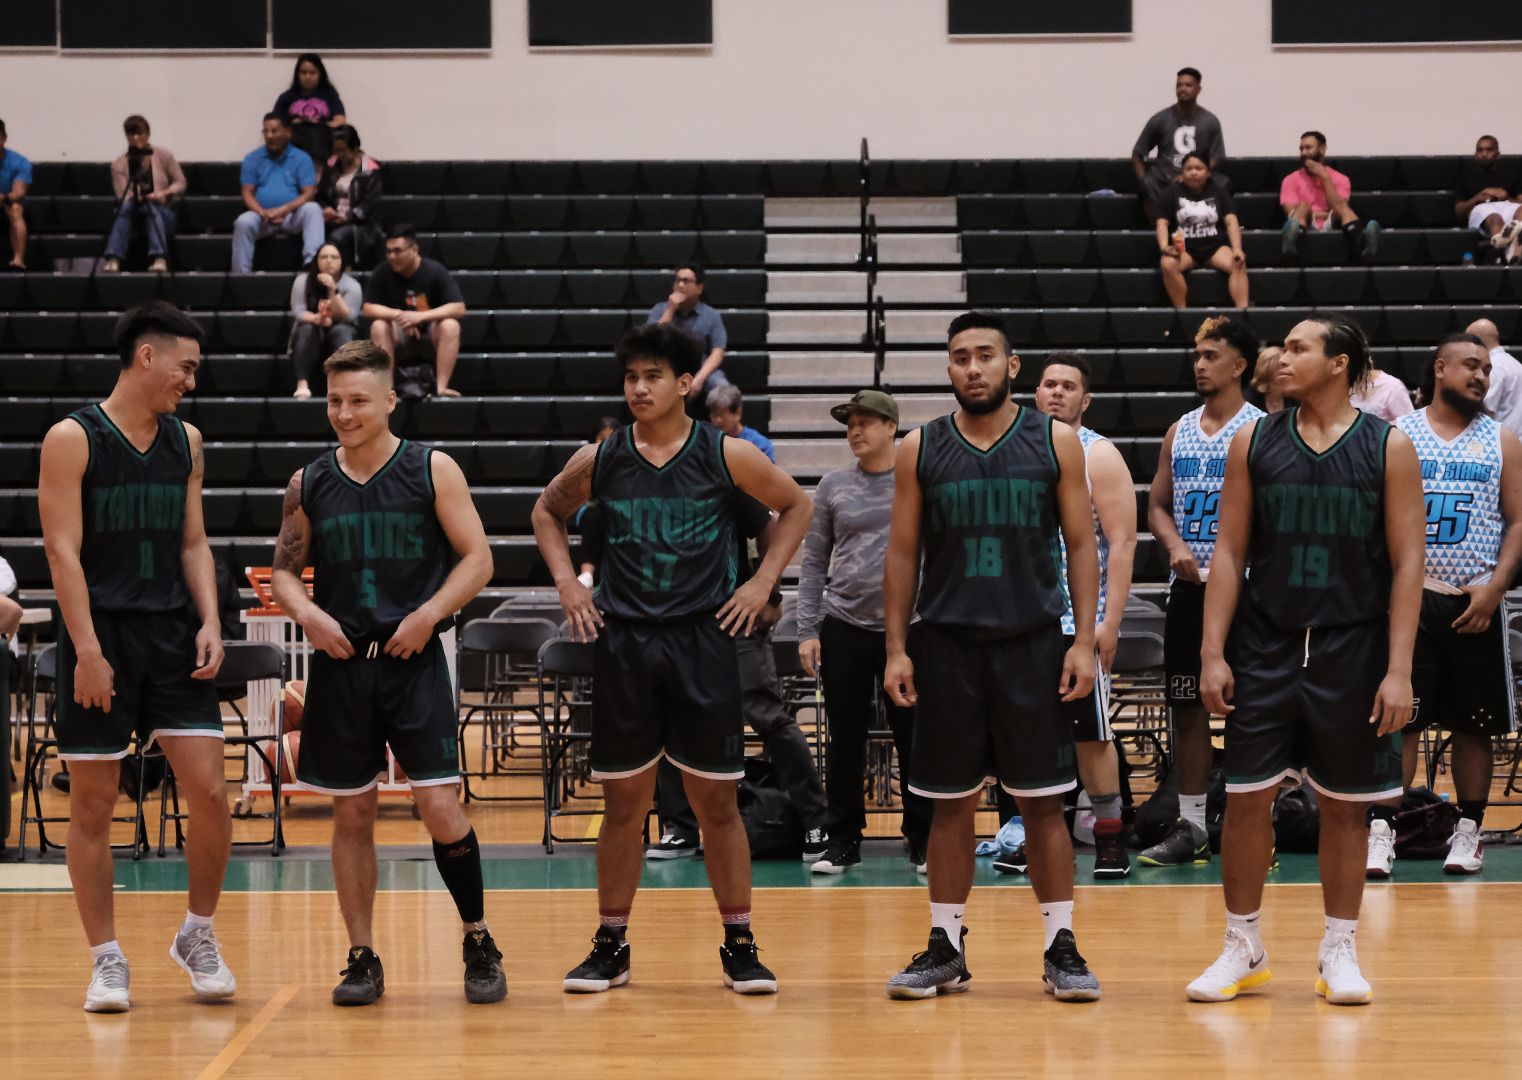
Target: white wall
[(796, 78)]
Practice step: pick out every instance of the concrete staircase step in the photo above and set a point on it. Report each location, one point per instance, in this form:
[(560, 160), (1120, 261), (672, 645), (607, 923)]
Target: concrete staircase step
[(850, 286), (891, 213), (842, 249)]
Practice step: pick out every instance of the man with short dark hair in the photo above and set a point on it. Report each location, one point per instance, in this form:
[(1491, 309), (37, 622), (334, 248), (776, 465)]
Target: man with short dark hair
[(408, 296), (148, 184), (1182, 128), (725, 404), (1315, 196), (1485, 197), (279, 183), (15, 178), (686, 310)]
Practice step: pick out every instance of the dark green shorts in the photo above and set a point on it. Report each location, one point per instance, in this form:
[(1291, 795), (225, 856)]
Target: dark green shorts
[(151, 654)]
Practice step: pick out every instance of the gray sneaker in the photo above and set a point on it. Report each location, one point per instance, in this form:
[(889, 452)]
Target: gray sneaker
[(110, 983), (940, 969), (201, 957), (1064, 974)]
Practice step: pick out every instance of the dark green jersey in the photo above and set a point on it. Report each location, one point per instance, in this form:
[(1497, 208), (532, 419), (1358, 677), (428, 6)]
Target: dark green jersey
[(134, 516), (989, 528), (1317, 556), (378, 551), (671, 537)]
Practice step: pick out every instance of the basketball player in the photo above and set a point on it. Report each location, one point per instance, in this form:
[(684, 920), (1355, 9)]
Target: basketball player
[(1063, 394), (397, 549), (1322, 510), (1182, 510), (1461, 671), (980, 493), (666, 675), (120, 498)]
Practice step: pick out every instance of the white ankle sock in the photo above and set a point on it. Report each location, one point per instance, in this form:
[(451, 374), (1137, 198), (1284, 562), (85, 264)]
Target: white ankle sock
[(1338, 927), (1250, 926), (109, 948), (1192, 809), (1056, 916), (193, 921), (949, 918)]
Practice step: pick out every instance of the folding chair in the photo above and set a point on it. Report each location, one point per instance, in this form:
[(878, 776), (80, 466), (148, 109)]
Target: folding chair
[(1137, 686), (508, 649), (243, 662), (565, 709)]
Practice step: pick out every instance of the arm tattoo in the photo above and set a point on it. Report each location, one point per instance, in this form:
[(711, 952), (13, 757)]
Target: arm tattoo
[(572, 486), (291, 547), (198, 456)]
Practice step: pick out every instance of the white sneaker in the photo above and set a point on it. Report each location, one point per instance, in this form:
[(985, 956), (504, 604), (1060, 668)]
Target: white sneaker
[(1234, 971), (1381, 861), (1466, 851), (109, 986), (1339, 980), (201, 957)]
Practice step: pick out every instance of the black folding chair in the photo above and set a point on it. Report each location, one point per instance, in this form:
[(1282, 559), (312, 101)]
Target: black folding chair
[(565, 708), (1136, 688), (508, 651)]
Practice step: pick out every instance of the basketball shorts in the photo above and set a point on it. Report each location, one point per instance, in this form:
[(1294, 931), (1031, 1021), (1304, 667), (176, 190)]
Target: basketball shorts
[(1302, 705), (669, 689), (357, 707), (1090, 714), (1462, 682), (989, 709), (1183, 633), (151, 655)]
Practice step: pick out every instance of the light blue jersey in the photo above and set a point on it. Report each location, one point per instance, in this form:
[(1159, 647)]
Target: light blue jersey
[(1199, 467), (1461, 486), (1088, 439)]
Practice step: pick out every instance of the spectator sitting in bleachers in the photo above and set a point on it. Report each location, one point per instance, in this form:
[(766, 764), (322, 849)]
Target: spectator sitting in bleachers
[(1504, 398), (1484, 198), (1265, 381), (279, 184), (1315, 196), (15, 178), (724, 406), (1197, 226), (407, 294), (325, 304), (148, 183), (312, 106), (1383, 395), (1183, 128), (349, 194), (685, 310)]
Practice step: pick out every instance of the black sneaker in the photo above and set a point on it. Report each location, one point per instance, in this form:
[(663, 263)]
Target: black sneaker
[(1110, 858), (1179, 848), (1064, 974), (485, 981), (674, 846), (815, 843), (363, 980), (605, 967), (841, 854), (1013, 863), (744, 973), (940, 969), (920, 860)]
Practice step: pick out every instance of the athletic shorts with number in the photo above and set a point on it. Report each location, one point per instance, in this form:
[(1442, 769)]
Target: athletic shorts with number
[(1090, 714), (1462, 682), (1183, 633), (357, 707), (669, 689), (988, 710), (1302, 706), (151, 655)]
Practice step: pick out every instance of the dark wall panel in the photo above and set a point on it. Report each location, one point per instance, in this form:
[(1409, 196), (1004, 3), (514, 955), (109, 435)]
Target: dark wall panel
[(28, 22), (620, 22), (382, 24), (1066, 17), (1392, 22), (163, 24)]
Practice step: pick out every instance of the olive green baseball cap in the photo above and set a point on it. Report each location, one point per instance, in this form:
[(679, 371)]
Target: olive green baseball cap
[(873, 401)]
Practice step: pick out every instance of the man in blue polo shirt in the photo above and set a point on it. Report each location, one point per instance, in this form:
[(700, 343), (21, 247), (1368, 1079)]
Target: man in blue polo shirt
[(279, 184), (15, 178), (685, 310), (724, 406)]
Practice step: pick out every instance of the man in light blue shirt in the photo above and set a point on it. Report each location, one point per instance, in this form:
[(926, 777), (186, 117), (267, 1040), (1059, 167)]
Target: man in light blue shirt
[(15, 178), (685, 310), (279, 184), (724, 404)]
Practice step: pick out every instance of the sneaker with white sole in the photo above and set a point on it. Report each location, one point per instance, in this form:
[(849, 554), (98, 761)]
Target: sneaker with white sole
[(110, 986), (842, 853), (1234, 971), (1381, 861), (201, 957), (674, 846), (815, 843), (1466, 851), (1338, 978)]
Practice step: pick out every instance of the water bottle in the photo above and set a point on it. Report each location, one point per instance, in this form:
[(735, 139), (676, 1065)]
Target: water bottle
[(1468, 260)]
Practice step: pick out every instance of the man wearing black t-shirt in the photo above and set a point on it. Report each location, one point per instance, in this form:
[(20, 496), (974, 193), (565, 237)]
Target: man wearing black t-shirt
[(409, 296), (1182, 128), (1483, 196)]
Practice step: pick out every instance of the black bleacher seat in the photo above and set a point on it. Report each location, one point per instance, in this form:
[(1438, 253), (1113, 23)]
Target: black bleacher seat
[(1273, 285), (676, 177), (1129, 249), (734, 177), (49, 178), (600, 288), (995, 249), (261, 509), (1429, 173), (57, 292), (601, 212), (520, 328), (92, 374), (442, 416), (594, 328), (422, 212), (223, 510), (251, 331), (1336, 285), (203, 252), (505, 509), (82, 214), (1055, 211), (529, 249), (1076, 326), (234, 418), (1141, 326), (1045, 175), (294, 418), (1118, 211), (665, 212), (580, 416), (479, 288), (208, 213), (1069, 288), (513, 373), (415, 177), (196, 291), (732, 248), (1402, 285), (510, 417), (1000, 287), (1259, 211), (608, 249), (503, 462), (29, 373), (1505, 317), (1445, 246), (96, 330), (36, 332), (1114, 174), (1104, 412), (1417, 322), (121, 291), (231, 373), (24, 417), (607, 177), (472, 213), (468, 251), (529, 288), (1471, 284), (18, 461), (495, 177), (258, 292), (1059, 248), (1153, 412)]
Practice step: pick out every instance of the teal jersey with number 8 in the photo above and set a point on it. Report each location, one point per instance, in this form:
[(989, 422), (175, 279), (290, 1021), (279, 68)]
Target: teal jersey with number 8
[(1318, 554), (670, 551)]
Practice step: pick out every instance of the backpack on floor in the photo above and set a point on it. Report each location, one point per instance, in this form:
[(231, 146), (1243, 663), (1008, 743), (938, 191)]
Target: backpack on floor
[(772, 824), (415, 377), (1155, 817), (1424, 824), (1297, 820)]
